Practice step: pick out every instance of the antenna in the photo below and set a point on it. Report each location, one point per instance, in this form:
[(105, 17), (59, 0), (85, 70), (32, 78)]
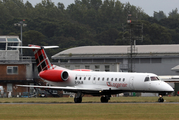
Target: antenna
[(133, 31)]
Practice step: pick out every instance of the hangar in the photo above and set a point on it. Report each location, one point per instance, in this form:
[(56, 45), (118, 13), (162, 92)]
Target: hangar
[(159, 59)]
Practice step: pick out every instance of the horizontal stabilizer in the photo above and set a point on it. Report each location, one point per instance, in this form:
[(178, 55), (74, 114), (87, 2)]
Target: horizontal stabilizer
[(34, 47)]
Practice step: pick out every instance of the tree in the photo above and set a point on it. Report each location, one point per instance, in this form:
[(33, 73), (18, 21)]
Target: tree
[(61, 6), (85, 22), (108, 37), (159, 15), (29, 9), (159, 34), (174, 14), (33, 37)]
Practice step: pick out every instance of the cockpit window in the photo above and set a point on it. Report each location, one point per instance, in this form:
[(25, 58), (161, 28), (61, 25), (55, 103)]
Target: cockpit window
[(154, 78), (146, 79)]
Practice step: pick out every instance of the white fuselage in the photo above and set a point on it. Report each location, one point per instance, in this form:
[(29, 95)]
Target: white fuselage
[(117, 82)]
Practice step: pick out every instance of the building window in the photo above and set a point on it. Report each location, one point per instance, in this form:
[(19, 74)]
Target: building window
[(136, 60), (2, 46), (12, 44), (67, 66), (98, 60), (97, 68), (144, 60), (9, 87), (87, 67), (156, 60), (77, 67), (12, 69), (86, 60), (107, 68)]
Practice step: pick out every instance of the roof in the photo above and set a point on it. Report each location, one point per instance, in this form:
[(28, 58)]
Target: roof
[(10, 39), (123, 49), (176, 68)]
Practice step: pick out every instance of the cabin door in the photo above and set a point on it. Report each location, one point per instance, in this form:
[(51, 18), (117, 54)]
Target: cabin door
[(131, 81)]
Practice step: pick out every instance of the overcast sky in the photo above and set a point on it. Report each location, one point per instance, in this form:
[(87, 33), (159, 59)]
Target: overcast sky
[(149, 6)]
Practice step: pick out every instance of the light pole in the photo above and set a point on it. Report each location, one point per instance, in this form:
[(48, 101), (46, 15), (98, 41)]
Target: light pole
[(21, 24)]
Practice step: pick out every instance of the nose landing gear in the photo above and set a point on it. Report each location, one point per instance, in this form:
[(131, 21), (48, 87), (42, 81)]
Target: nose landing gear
[(104, 99)]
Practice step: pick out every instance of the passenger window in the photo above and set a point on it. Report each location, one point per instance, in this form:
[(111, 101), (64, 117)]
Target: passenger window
[(116, 79), (98, 79), (123, 79), (107, 79), (89, 78), (103, 79), (80, 78), (94, 78), (119, 79), (84, 78), (146, 79), (75, 78), (111, 79)]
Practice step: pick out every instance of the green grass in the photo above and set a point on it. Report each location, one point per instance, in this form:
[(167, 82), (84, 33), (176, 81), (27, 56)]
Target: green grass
[(88, 111), (86, 100)]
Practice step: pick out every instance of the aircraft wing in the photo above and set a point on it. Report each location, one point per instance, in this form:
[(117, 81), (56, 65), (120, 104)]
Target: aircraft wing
[(63, 88)]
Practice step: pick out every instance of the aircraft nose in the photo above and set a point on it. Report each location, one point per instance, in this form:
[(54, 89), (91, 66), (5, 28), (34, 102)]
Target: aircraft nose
[(166, 87)]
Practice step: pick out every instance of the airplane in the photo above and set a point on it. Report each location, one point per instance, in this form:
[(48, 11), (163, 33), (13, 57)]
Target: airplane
[(96, 83)]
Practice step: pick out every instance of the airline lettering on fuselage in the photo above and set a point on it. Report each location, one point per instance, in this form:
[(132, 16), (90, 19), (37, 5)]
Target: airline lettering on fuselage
[(117, 85)]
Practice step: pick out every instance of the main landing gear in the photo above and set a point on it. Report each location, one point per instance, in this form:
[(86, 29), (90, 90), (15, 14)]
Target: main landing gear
[(104, 99), (78, 97), (160, 99)]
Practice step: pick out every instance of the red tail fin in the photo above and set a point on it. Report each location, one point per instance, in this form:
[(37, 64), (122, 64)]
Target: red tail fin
[(41, 58)]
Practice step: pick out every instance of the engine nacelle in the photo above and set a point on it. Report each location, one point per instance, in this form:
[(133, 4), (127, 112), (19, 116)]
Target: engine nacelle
[(54, 75)]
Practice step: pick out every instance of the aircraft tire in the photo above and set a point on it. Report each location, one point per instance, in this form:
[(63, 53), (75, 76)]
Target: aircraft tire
[(104, 99)]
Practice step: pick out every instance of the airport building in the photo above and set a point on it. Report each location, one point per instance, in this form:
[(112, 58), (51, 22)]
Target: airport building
[(15, 68)]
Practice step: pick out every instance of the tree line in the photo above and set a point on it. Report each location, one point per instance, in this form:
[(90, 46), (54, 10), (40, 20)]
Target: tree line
[(85, 22)]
